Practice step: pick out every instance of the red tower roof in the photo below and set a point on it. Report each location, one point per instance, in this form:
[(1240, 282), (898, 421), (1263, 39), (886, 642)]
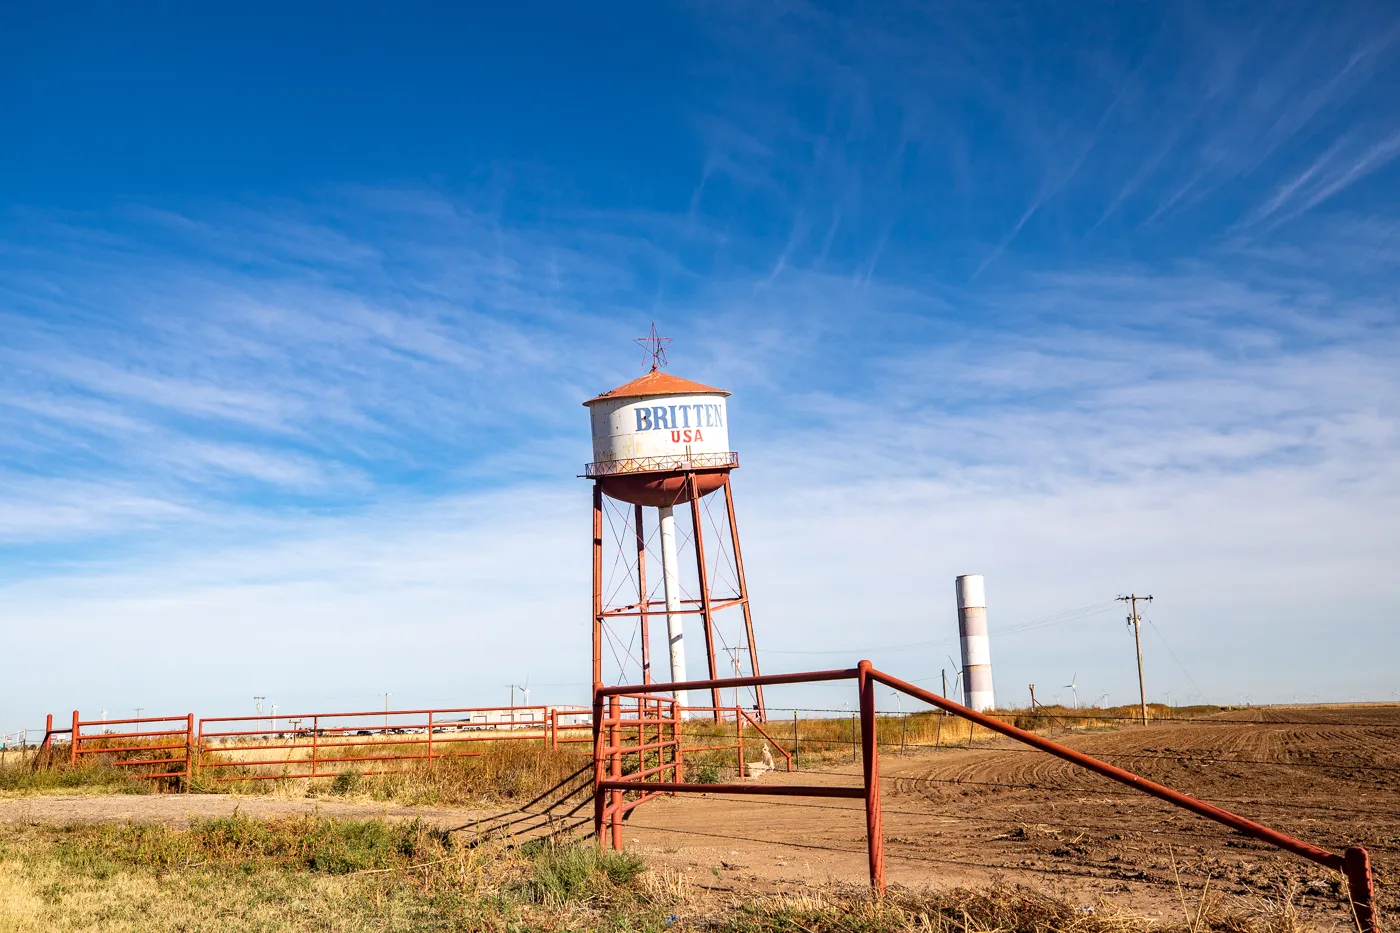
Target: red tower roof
[(658, 383)]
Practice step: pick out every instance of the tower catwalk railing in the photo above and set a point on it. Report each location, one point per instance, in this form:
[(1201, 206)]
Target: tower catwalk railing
[(610, 788)]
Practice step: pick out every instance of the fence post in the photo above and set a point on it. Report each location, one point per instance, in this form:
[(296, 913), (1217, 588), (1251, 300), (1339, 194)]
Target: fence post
[(874, 829), (430, 738), (598, 763), (677, 753), (855, 740), (903, 730), (1356, 866), (739, 740), (615, 768), (48, 734), (189, 750), (553, 730), (73, 745), (796, 744)]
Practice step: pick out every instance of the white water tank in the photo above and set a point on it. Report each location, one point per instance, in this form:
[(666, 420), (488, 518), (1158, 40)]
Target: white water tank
[(659, 422)]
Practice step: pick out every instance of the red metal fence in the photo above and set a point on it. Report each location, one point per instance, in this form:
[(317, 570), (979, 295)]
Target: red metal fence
[(1354, 863), (638, 726), (158, 747), (317, 745), (307, 746)]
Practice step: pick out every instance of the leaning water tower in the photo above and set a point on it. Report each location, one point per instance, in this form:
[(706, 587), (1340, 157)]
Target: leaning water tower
[(661, 445)]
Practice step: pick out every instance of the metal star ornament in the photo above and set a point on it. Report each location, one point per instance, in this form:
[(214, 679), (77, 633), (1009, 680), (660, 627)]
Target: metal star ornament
[(654, 347)]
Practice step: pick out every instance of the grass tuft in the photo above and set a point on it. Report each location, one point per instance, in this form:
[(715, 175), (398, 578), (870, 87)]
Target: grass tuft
[(569, 873)]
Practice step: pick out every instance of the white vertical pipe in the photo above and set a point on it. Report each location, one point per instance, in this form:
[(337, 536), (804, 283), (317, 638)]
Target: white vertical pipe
[(675, 622), (976, 647)]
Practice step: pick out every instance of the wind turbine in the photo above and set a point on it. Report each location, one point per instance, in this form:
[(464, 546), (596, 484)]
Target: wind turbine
[(1073, 686)]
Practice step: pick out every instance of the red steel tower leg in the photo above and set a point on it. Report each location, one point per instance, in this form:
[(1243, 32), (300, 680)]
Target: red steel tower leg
[(642, 598), (744, 598), (597, 585), (706, 619)]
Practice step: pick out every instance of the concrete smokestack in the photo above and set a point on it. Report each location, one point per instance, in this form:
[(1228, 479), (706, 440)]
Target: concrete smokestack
[(976, 648)]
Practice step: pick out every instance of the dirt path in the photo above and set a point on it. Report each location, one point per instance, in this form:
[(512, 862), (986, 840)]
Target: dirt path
[(178, 809)]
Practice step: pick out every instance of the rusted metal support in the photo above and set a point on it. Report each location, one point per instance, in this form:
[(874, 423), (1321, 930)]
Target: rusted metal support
[(597, 582), (48, 733), (796, 743), (643, 598), (739, 740), (744, 596), (706, 615), (73, 745), (191, 751), (767, 680), (764, 732), (598, 763), (870, 762), (1361, 888), (678, 751), (759, 790), (615, 770)]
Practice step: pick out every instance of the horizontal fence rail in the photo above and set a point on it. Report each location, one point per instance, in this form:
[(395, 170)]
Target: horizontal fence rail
[(323, 745)]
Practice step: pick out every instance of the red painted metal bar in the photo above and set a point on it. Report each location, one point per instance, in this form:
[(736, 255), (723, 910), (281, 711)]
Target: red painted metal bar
[(625, 612), (744, 596), (365, 714), (760, 790), (703, 578), (615, 772), (633, 804), (597, 589), (97, 736), (870, 761), (766, 680), (598, 801), (107, 750), (364, 742), (125, 722), (631, 749), (772, 741), (642, 595), (131, 762)]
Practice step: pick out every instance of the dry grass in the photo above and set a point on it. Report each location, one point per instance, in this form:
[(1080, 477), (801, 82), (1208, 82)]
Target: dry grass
[(89, 777), (311, 874), (502, 772)]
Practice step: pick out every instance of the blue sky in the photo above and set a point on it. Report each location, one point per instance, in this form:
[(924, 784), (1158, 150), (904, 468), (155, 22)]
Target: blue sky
[(297, 310)]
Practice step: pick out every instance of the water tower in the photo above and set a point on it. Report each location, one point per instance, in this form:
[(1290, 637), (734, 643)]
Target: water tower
[(661, 444)]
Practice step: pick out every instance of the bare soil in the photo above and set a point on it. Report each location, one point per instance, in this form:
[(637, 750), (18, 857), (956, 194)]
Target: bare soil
[(998, 812)]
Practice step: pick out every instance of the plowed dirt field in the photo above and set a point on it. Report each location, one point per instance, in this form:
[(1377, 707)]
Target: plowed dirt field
[(1001, 812)]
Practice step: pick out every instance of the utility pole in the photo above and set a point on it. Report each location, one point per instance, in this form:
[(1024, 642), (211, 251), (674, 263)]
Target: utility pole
[(1032, 686), (258, 703), (386, 712), (734, 661), (1135, 621)]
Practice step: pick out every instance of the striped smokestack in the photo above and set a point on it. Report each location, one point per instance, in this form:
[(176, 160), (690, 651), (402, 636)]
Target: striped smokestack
[(976, 649)]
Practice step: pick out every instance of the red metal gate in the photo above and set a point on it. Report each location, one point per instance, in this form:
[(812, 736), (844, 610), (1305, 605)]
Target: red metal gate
[(639, 726), (159, 747), (1354, 864), (322, 745)]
